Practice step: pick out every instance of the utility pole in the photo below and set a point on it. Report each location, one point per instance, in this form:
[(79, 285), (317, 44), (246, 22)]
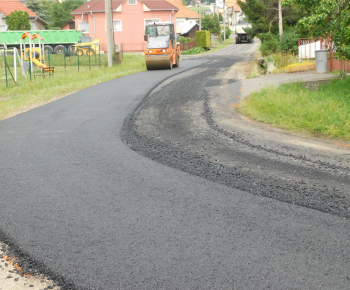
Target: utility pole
[(224, 8), (280, 24), (109, 30), (200, 16)]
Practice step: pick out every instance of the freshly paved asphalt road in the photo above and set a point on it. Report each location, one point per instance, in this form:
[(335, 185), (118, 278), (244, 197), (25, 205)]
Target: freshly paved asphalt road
[(80, 205)]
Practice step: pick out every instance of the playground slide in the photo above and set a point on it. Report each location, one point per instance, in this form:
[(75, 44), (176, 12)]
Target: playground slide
[(38, 63)]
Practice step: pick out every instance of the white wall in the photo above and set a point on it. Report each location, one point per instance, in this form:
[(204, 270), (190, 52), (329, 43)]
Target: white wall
[(308, 50), (3, 25), (36, 25)]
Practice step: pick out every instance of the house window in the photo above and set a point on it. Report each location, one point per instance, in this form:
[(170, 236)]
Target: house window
[(117, 25), (84, 26), (132, 2), (71, 25)]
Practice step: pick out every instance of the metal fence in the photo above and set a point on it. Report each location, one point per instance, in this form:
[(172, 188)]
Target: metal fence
[(16, 66)]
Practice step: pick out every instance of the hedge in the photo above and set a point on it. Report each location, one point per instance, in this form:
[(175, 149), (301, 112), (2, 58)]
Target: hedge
[(203, 38)]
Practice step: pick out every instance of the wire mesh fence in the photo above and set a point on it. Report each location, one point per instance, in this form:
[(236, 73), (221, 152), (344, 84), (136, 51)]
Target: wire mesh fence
[(16, 66)]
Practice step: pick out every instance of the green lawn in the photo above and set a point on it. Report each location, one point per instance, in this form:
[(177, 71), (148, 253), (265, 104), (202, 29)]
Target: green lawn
[(26, 94), (325, 112)]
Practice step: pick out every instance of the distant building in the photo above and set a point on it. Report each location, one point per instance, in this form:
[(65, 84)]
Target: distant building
[(129, 20), (70, 24), (8, 6), (187, 28)]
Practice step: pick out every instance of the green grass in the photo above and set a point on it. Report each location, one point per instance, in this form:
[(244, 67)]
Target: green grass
[(26, 94), (216, 45), (194, 50), (325, 112)]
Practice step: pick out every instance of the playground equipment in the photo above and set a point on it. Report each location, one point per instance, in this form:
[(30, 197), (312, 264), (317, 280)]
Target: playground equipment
[(35, 55)]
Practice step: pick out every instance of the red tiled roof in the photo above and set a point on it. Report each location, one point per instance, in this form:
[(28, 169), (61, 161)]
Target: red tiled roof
[(159, 5), (236, 8), (99, 5), (96, 6), (234, 4), (8, 6), (183, 12)]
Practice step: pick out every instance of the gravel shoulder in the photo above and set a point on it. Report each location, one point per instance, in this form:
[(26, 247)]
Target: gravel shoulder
[(190, 122)]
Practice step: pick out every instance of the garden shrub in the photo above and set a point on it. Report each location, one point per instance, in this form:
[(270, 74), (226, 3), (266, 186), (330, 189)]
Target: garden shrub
[(228, 33), (269, 43), (185, 40), (203, 38), (289, 42), (195, 50)]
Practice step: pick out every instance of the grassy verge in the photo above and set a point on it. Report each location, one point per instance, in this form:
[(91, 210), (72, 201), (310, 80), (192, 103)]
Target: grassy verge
[(27, 94), (292, 106), (216, 45)]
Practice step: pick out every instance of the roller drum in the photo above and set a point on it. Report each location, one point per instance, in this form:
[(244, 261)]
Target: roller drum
[(158, 63)]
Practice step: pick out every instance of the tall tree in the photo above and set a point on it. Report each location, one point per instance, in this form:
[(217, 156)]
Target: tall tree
[(211, 23), (18, 20), (265, 16), (60, 12), (39, 8)]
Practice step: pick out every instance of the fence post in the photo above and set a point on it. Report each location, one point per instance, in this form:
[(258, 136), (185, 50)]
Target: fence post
[(5, 67), (99, 55), (49, 63), (15, 62), (30, 70)]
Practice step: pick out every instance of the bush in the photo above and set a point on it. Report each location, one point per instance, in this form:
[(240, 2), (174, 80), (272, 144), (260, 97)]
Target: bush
[(203, 38), (195, 50), (269, 43), (289, 42), (228, 33), (185, 40)]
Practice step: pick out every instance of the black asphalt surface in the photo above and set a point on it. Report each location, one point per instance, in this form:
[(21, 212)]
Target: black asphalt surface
[(78, 204)]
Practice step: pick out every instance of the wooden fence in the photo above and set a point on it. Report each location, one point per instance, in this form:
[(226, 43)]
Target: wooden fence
[(334, 63)]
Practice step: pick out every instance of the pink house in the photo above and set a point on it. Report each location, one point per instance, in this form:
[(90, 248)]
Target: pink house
[(129, 20)]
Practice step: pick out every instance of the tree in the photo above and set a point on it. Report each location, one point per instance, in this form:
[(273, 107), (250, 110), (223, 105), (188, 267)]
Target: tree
[(18, 20), (211, 23), (330, 18), (39, 8), (184, 2), (216, 28), (264, 16), (60, 12)]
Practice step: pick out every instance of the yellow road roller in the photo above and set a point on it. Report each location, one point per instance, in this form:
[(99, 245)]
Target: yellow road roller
[(162, 51)]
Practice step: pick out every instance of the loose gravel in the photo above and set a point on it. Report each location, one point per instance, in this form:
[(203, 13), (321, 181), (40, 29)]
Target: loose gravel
[(188, 123)]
